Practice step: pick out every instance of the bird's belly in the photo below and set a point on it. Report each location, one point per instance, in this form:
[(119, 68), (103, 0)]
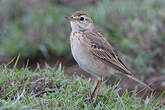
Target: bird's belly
[(80, 56), (86, 61)]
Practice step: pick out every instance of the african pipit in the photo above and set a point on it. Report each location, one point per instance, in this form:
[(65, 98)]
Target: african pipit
[(92, 51)]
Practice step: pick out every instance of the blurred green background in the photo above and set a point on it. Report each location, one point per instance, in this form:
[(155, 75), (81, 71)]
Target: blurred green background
[(37, 30)]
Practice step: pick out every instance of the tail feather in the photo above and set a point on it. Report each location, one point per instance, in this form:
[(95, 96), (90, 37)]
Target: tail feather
[(140, 82)]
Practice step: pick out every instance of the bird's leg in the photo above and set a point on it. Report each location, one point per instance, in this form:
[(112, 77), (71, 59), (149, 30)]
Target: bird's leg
[(96, 89)]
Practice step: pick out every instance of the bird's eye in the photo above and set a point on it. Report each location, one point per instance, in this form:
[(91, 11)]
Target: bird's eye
[(81, 18)]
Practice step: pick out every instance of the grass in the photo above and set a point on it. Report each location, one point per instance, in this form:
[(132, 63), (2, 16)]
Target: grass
[(127, 26), (42, 30), (50, 88), (136, 30)]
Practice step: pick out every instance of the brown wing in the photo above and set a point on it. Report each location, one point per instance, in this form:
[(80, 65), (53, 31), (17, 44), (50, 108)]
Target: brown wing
[(103, 51)]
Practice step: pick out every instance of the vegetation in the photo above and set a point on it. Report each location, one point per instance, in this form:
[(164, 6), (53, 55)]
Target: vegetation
[(50, 89), (28, 28), (135, 27)]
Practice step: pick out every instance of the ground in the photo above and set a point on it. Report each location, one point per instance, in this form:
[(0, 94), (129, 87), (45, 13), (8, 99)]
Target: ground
[(50, 88), (38, 33)]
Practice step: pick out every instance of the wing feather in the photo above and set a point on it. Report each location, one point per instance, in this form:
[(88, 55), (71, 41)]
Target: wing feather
[(103, 51)]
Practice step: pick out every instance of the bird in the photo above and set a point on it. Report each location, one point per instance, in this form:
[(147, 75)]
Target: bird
[(93, 53)]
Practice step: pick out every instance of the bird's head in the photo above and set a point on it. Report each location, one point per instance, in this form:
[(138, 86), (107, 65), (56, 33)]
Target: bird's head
[(80, 21)]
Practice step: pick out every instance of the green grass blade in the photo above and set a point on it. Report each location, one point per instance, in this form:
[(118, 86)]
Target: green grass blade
[(16, 62), (157, 100)]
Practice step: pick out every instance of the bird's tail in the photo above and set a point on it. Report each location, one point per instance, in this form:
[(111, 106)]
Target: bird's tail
[(140, 82)]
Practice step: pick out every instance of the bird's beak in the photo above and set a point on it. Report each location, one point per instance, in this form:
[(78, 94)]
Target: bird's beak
[(70, 18)]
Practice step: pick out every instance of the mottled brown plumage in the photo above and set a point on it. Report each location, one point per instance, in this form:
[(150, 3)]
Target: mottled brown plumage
[(93, 52), (103, 51), (80, 13)]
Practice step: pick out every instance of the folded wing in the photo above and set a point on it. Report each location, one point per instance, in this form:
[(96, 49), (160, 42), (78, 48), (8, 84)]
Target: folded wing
[(103, 51)]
